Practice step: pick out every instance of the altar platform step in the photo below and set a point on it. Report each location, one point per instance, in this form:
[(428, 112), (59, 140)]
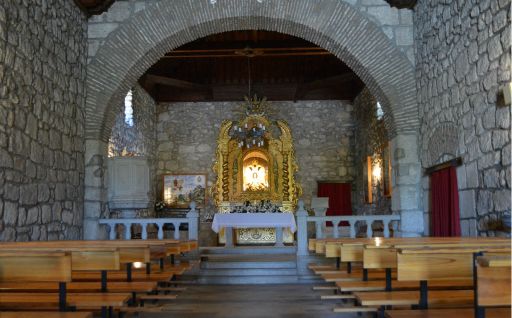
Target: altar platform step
[(248, 280), (248, 265), (249, 250)]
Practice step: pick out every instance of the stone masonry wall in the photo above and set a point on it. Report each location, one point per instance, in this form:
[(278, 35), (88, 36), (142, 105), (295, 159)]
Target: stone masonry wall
[(463, 57), (396, 24), (42, 76), (322, 132)]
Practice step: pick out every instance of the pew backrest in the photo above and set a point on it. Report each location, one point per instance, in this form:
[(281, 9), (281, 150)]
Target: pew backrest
[(25, 266), (493, 281), (439, 263), (379, 257), (430, 266)]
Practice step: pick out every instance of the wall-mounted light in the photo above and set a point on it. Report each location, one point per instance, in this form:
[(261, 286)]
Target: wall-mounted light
[(377, 172)]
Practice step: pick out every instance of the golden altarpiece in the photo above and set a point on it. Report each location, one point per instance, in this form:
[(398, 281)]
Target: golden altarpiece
[(254, 172)]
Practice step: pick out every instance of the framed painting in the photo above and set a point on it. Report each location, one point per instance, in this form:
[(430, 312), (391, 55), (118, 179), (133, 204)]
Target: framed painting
[(181, 189)]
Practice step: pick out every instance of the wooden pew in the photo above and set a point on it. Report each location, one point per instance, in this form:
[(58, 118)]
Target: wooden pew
[(29, 266), (333, 248), (492, 283), (157, 248), (354, 252), (492, 289), (447, 313), (130, 250), (45, 314), (384, 257), (85, 260), (95, 269), (423, 265)]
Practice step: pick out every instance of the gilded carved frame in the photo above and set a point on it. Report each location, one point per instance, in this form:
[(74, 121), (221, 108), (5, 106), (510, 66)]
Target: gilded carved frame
[(283, 187)]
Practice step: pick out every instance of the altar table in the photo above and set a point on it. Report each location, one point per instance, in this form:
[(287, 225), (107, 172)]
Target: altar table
[(253, 220)]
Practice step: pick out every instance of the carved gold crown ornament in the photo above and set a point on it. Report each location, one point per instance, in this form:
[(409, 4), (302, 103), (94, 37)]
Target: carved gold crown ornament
[(251, 133)]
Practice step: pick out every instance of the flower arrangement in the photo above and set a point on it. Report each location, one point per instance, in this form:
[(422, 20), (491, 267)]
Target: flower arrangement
[(159, 205), (261, 207)]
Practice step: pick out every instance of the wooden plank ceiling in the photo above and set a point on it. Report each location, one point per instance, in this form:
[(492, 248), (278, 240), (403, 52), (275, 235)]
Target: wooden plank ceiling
[(94, 7), (281, 67)]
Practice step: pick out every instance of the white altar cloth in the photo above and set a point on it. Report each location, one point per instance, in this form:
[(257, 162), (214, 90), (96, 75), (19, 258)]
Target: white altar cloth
[(253, 220)]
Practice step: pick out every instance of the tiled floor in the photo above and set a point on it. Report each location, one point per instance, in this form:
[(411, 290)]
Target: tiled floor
[(233, 301)]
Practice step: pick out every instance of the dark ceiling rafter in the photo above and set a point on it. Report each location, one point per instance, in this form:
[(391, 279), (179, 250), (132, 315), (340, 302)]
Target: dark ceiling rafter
[(402, 4), (281, 67), (169, 81), (305, 88), (94, 7)]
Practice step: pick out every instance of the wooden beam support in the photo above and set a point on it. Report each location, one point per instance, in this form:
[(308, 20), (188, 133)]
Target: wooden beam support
[(169, 81), (402, 4), (93, 7), (305, 88), (452, 163)]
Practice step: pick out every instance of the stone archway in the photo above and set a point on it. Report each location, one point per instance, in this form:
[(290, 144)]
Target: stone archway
[(333, 25)]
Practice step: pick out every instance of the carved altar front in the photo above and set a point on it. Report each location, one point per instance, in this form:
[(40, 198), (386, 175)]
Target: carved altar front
[(255, 174)]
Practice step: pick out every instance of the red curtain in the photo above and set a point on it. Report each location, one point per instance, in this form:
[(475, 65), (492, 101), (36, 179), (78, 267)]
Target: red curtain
[(445, 203), (340, 199)]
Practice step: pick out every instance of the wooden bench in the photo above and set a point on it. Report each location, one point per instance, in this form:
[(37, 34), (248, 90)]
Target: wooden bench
[(492, 283), (384, 257), (423, 265), (158, 249), (95, 263), (350, 251), (131, 251), (45, 314), (28, 266), (447, 313), (492, 289), (84, 260)]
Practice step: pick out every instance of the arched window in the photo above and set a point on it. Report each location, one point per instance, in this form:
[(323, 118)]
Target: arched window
[(128, 108), (126, 139), (379, 112)]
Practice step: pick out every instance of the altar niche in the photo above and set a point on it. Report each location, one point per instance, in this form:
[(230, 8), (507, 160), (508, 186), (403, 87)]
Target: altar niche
[(264, 172), (255, 171)]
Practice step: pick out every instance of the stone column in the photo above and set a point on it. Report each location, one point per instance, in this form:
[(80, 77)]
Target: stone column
[(302, 229), (405, 198), (193, 222), (95, 188)]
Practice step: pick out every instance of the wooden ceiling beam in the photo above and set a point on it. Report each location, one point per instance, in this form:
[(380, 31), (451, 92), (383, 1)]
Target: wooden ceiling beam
[(238, 45), (216, 68), (169, 81), (93, 7), (233, 92), (402, 4), (204, 56), (259, 48), (305, 88)]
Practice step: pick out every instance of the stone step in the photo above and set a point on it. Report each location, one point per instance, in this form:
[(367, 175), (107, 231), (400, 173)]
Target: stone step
[(247, 265), (248, 272), (250, 280), (247, 258), (249, 250)]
